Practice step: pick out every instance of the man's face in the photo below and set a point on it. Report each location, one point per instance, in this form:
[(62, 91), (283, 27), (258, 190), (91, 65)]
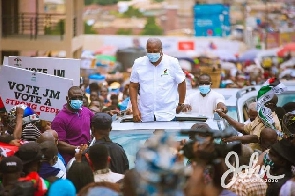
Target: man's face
[(93, 96), (204, 80), (75, 94), (153, 47), (270, 105), (252, 115), (104, 92)]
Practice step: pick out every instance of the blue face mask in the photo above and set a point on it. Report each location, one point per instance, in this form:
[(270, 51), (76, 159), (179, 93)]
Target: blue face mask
[(76, 104), (204, 89), (153, 57)]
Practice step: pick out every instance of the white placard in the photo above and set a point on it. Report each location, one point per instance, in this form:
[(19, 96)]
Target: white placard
[(45, 94), (62, 67)]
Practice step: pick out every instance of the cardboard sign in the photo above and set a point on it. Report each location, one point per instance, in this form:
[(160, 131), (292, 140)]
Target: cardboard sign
[(62, 67), (45, 94)]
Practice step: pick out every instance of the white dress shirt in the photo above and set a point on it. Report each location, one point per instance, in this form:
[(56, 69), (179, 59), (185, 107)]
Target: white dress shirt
[(204, 106), (158, 87)]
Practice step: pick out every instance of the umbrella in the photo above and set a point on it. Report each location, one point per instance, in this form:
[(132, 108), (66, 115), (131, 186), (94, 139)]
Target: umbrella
[(286, 49), (107, 50), (249, 55), (105, 60), (225, 55), (267, 53)]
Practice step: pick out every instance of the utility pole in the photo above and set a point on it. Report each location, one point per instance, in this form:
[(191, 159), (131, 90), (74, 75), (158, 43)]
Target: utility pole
[(266, 24)]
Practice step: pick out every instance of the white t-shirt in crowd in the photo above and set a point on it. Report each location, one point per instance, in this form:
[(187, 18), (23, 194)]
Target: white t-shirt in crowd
[(204, 105), (158, 87), (107, 175)]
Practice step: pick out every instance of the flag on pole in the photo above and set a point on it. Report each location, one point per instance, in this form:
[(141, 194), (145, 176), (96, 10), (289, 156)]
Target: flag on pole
[(270, 87)]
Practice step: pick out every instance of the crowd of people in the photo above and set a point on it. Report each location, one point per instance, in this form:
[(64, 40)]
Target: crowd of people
[(74, 154)]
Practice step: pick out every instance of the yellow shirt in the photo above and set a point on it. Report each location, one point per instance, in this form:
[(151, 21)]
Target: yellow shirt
[(256, 126)]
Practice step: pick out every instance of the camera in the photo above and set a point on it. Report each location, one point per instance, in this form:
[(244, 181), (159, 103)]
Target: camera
[(220, 150)]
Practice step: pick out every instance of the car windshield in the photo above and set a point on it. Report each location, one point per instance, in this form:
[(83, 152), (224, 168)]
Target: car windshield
[(131, 140), (285, 98), (232, 112)]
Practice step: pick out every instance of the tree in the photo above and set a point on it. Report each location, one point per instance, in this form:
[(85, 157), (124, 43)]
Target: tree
[(132, 12), (105, 2), (124, 32), (158, 1), (88, 2), (55, 29), (88, 29), (151, 28)]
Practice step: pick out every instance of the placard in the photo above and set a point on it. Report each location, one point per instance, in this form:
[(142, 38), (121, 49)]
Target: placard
[(62, 67), (45, 94)]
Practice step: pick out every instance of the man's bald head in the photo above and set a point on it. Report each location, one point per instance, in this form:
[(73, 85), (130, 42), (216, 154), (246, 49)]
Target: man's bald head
[(155, 41), (53, 133), (268, 137), (252, 111), (46, 136)]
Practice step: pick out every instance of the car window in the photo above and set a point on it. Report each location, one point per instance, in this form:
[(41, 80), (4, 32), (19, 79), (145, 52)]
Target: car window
[(232, 112), (286, 98)]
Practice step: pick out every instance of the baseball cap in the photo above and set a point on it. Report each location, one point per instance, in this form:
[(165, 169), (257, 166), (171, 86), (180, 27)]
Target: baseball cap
[(29, 152), (101, 120), (11, 165)]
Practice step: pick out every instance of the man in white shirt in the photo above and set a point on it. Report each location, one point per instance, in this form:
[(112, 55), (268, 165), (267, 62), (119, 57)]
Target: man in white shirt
[(162, 83), (100, 159), (205, 101)]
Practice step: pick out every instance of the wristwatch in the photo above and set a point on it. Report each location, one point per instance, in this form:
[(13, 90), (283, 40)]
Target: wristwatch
[(180, 104)]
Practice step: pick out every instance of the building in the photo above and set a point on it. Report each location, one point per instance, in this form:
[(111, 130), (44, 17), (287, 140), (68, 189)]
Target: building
[(30, 28)]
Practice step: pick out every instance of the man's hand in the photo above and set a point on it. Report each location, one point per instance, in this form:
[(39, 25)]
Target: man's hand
[(136, 115), (183, 108), (221, 106), (229, 139), (81, 149), (220, 113), (19, 111), (187, 108), (15, 142)]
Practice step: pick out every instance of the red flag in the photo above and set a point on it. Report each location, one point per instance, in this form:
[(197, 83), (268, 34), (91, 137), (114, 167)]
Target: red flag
[(7, 150)]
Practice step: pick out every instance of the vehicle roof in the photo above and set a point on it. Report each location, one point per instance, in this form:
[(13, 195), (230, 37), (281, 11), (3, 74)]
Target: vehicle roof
[(172, 125)]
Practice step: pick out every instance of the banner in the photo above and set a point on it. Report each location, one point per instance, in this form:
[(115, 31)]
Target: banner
[(212, 20), (45, 94), (286, 38), (62, 67), (273, 40)]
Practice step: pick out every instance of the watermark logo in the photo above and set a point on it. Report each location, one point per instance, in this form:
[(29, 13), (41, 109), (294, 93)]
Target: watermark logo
[(245, 172)]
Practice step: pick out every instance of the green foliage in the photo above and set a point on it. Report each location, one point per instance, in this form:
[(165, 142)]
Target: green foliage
[(88, 2), (88, 29), (158, 1), (102, 2), (105, 2), (124, 32), (132, 12), (58, 29), (151, 28)]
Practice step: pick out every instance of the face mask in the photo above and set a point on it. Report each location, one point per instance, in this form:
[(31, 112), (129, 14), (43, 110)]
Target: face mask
[(267, 161), (153, 57), (204, 89), (76, 104)]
